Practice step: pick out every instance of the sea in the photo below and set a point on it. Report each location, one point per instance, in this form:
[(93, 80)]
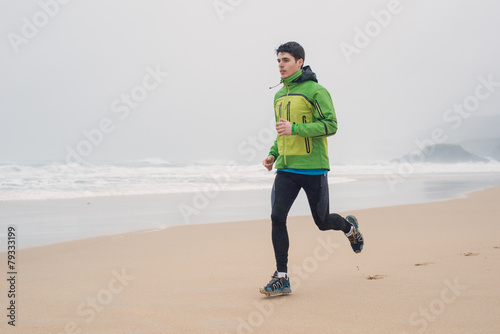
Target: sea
[(53, 202), (45, 181)]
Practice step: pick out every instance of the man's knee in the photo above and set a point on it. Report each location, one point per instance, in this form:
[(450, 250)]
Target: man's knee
[(322, 224), (324, 227), (278, 219)]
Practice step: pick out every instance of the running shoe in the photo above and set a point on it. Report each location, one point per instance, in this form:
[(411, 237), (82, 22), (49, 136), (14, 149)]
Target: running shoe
[(356, 238), (277, 286)]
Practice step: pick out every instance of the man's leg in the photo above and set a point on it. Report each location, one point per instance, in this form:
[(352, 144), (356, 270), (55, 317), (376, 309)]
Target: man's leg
[(284, 193), (316, 188)]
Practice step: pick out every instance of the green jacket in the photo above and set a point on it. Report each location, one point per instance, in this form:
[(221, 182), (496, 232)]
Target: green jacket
[(309, 107)]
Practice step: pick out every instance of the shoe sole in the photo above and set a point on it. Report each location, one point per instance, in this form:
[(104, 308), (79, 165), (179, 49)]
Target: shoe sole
[(355, 223), (279, 293)]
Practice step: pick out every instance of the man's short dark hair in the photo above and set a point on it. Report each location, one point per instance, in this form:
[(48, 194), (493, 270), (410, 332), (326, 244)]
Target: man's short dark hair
[(293, 48)]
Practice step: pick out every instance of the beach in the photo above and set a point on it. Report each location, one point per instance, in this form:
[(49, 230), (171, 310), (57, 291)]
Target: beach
[(425, 268), (142, 170)]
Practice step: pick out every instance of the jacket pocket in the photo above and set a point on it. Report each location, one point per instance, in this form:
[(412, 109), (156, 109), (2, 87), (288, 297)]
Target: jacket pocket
[(307, 140)]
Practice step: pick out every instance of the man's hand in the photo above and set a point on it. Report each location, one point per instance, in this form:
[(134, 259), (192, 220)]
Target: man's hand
[(268, 162), (284, 128)]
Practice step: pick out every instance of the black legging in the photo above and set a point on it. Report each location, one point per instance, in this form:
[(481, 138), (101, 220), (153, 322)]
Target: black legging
[(285, 190)]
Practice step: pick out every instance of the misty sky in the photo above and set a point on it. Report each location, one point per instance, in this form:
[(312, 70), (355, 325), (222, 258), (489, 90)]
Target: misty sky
[(188, 81)]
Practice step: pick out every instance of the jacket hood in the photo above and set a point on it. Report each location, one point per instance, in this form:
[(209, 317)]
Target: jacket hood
[(302, 75), (307, 75)]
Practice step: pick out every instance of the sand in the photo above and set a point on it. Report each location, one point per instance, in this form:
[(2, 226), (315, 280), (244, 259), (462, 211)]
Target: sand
[(425, 268)]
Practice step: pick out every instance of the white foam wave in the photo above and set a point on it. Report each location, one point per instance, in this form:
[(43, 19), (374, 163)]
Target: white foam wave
[(52, 181)]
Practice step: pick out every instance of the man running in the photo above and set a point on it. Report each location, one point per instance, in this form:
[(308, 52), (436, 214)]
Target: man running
[(305, 117)]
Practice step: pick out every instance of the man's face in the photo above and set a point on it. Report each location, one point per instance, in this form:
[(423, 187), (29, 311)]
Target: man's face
[(287, 65)]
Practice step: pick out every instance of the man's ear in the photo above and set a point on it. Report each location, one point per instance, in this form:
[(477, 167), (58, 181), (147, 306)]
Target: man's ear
[(301, 62)]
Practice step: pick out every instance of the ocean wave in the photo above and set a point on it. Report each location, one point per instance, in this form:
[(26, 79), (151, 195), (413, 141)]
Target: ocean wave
[(416, 168), (155, 176), (149, 161)]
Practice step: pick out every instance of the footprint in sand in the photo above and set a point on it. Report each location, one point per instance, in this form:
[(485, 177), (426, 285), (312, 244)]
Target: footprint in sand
[(470, 254), (373, 277), (497, 247), (423, 264)]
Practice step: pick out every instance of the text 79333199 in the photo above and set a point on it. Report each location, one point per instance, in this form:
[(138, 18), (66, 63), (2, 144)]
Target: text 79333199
[(11, 274)]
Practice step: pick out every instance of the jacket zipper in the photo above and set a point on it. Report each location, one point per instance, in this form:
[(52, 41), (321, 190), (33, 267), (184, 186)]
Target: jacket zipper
[(288, 119)]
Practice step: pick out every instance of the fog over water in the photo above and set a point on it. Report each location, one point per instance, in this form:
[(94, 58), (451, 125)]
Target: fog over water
[(188, 81)]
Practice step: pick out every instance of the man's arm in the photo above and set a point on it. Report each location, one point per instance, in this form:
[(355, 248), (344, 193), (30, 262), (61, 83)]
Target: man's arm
[(273, 155), (268, 162)]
